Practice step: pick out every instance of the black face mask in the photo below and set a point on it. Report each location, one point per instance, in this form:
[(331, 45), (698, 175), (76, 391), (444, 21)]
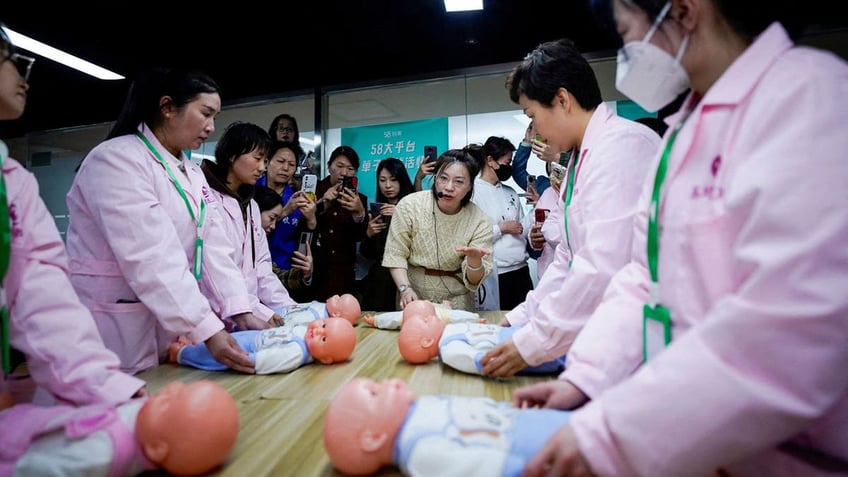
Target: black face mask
[(504, 172)]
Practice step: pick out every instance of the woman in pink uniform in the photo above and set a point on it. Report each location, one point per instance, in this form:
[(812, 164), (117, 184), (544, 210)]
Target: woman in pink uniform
[(149, 255), (722, 345), (41, 315)]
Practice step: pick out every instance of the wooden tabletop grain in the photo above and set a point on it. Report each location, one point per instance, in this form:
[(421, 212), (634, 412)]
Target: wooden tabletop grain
[(281, 415)]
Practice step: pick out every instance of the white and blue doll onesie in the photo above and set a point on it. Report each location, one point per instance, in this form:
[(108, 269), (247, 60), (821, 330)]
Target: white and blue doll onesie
[(392, 320), (303, 313), (275, 350), (471, 436), (463, 345)]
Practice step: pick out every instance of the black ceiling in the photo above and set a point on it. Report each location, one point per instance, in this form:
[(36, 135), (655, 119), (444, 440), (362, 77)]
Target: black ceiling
[(257, 49)]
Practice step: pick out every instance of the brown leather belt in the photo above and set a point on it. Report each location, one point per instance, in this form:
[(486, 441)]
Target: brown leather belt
[(443, 273)]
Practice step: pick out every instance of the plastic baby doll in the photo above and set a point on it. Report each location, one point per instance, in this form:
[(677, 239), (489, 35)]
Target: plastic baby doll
[(345, 306), (370, 424), (185, 429), (393, 320), (459, 345), (280, 349)]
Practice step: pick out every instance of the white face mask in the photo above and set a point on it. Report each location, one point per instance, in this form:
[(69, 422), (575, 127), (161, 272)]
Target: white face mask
[(648, 75)]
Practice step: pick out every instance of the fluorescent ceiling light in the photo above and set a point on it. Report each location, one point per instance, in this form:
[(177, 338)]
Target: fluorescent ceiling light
[(59, 56), (463, 5)]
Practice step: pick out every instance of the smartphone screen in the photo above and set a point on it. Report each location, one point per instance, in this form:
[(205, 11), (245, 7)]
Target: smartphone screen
[(350, 182), (305, 238), (430, 153), (375, 211), (557, 171), (541, 215), (310, 182)]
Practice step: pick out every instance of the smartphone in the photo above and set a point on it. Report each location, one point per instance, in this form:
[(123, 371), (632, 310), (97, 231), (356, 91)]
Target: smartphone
[(375, 211), (557, 171), (539, 138), (531, 180), (430, 154), (310, 182), (541, 215), (305, 238), (350, 182)]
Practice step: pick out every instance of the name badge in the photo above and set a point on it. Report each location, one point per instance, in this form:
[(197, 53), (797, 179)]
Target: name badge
[(656, 330)]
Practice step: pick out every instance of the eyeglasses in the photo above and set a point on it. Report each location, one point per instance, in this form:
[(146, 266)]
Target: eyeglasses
[(22, 63), (285, 129), (457, 182)]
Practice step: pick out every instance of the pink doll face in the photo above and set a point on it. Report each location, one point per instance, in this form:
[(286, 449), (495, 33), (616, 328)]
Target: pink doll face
[(418, 308), (345, 306), (188, 429), (330, 340), (362, 421), (385, 402), (418, 340)]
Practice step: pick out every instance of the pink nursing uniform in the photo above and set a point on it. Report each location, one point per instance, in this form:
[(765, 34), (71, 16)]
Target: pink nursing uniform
[(132, 244), (615, 156), (266, 291), (65, 355), (753, 266)]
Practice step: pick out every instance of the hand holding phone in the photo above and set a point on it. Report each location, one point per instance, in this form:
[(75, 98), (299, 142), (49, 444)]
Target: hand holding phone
[(309, 184), (350, 182), (557, 171), (541, 215), (375, 211), (430, 154), (305, 238)]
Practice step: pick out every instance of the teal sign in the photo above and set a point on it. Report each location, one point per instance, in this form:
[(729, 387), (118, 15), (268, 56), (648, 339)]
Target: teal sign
[(404, 141), (630, 110)]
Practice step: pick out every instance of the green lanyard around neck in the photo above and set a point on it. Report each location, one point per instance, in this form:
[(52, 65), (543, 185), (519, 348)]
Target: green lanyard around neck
[(198, 243), (5, 253), (656, 319), (569, 189)]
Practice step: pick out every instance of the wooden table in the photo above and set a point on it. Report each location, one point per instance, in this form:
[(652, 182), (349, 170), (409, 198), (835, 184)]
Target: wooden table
[(281, 415)]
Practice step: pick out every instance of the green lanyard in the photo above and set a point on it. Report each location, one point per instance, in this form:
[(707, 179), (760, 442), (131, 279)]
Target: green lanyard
[(569, 189), (198, 244), (5, 252), (656, 319)]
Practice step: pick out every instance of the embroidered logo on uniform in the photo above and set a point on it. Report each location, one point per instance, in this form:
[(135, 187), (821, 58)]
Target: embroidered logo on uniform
[(206, 197), (707, 192), (715, 165), (17, 231)]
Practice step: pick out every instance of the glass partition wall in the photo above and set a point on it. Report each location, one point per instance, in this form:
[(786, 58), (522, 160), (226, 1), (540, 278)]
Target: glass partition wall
[(474, 102)]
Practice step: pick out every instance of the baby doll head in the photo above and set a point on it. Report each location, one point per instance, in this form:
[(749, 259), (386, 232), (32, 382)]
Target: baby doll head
[(188, 429), (330, 340), (362, 422), (419, 307), (418, 340), (345, 306)]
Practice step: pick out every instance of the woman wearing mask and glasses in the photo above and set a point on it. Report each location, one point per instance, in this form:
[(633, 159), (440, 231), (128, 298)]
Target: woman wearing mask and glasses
[(439, 242), (721, 348)]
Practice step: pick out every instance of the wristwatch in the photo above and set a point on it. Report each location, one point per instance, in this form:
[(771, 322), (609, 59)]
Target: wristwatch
[(402, 288)]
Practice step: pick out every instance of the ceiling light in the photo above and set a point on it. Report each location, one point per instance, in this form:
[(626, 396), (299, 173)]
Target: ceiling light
[(463, 5), (59, 56)]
